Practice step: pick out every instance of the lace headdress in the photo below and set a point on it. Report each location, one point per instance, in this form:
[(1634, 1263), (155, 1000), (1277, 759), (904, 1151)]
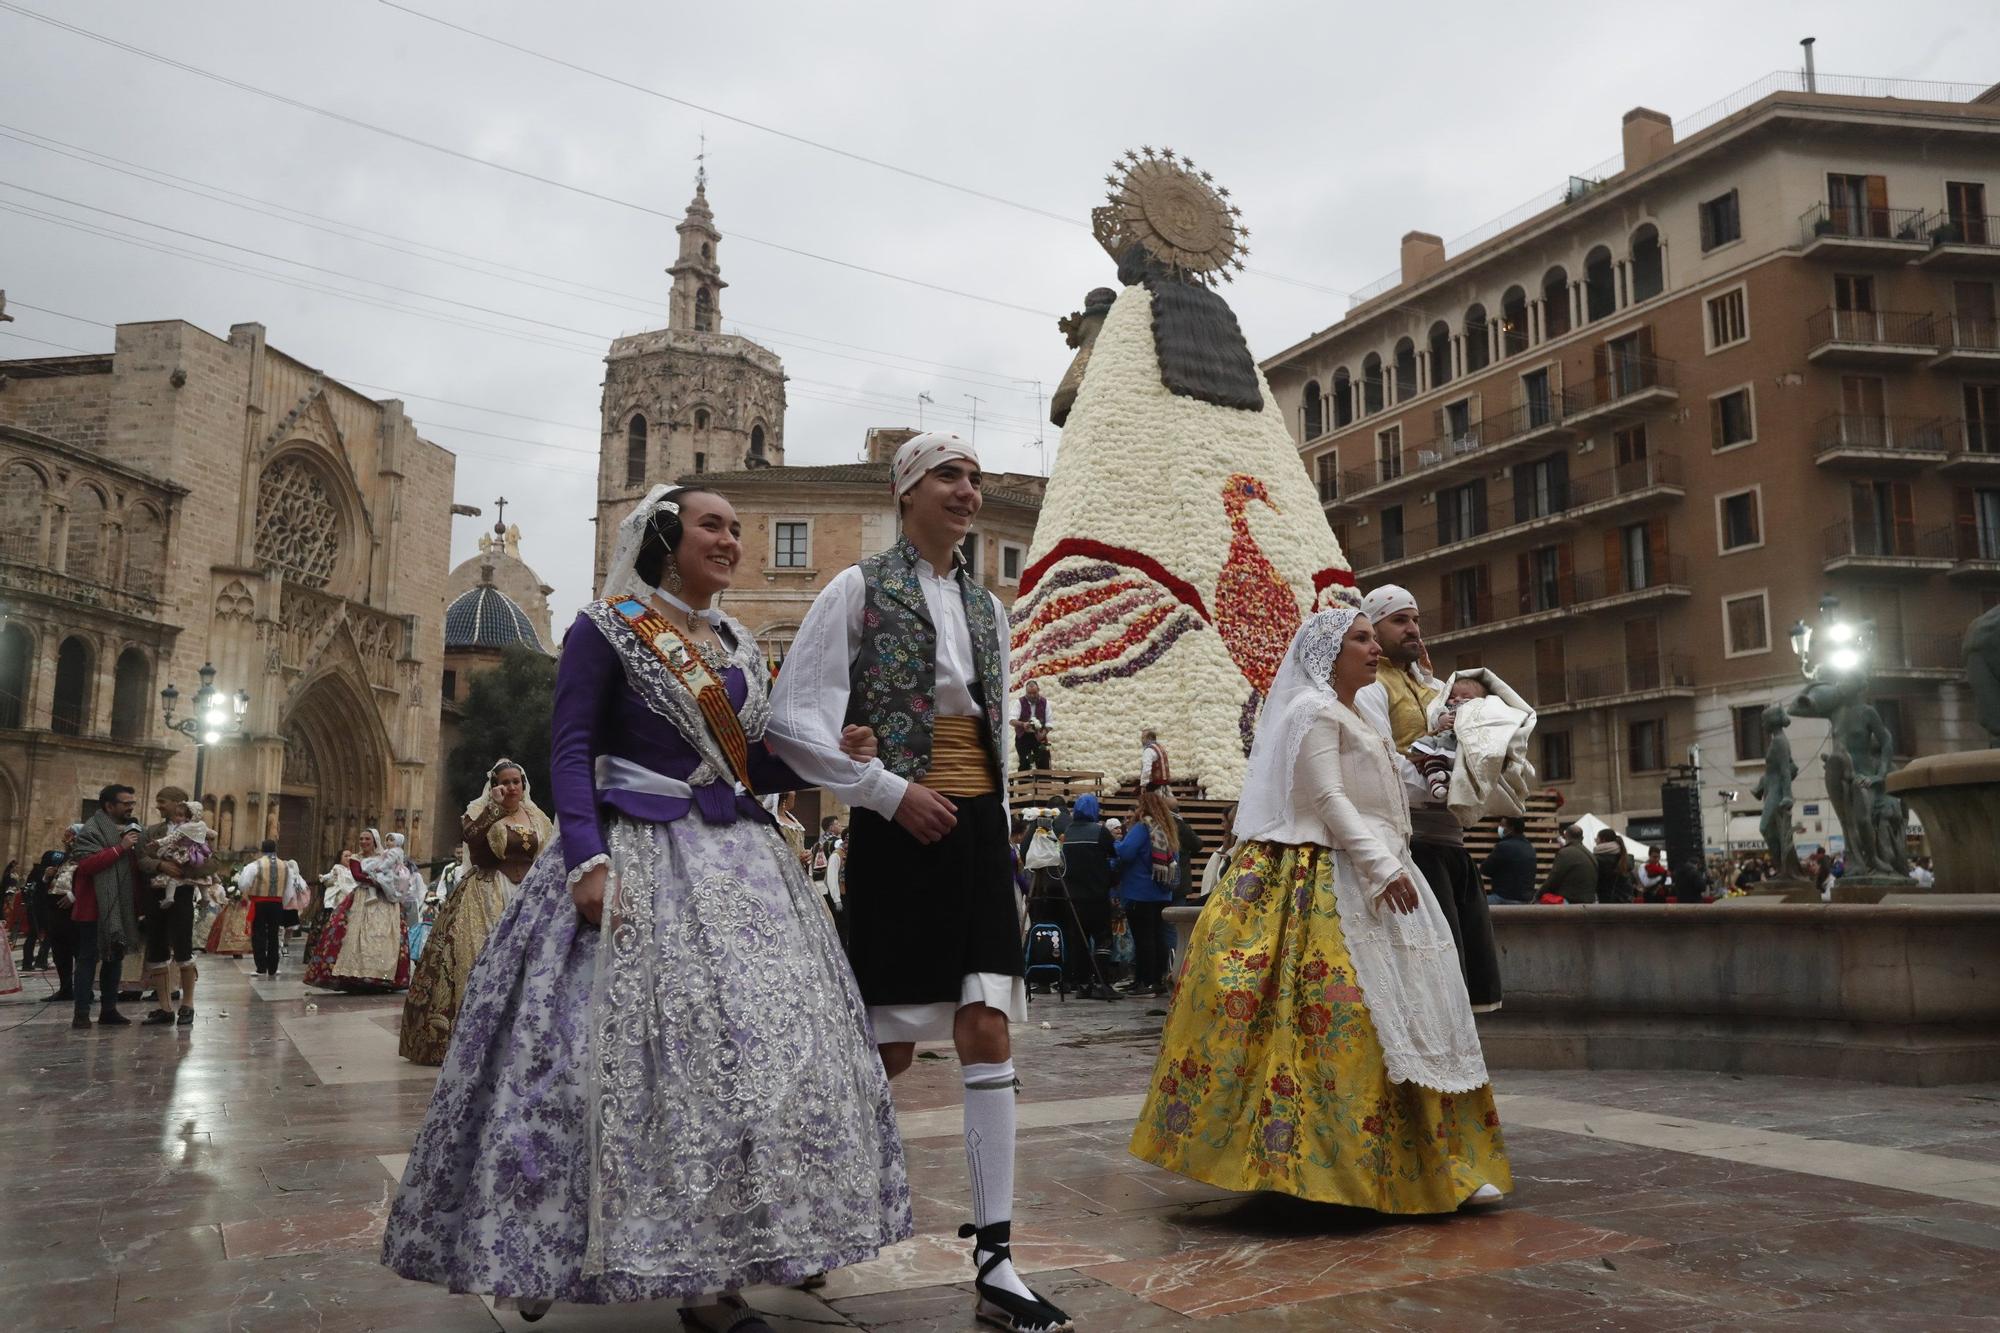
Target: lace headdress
[(1301, 695), (621, 576)]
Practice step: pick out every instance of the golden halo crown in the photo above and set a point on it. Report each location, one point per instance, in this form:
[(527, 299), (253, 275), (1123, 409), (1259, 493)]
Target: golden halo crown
[(1178, 214)]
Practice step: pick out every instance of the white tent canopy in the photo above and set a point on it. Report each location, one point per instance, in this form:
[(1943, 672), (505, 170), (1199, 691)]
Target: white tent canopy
[(1590, 824)]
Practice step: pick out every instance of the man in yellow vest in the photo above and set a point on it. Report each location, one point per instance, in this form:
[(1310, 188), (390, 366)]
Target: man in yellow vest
[(1394, 705)]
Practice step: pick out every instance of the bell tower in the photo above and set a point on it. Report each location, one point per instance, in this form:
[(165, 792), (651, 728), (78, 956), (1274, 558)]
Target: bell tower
[(696, 303), (688, 399)]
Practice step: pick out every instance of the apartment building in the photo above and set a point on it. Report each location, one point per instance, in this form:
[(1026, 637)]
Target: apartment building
[(1620, 447)]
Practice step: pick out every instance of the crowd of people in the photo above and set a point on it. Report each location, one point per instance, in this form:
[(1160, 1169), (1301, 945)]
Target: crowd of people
[(668, 1017)]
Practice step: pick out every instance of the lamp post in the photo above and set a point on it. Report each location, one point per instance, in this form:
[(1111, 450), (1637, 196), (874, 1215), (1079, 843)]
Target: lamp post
[(1844, 646), (214, 716), (1726, 798)]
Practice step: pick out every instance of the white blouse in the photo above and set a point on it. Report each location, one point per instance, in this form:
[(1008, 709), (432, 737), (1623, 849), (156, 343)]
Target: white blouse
[(809, 703), (1346, 795)]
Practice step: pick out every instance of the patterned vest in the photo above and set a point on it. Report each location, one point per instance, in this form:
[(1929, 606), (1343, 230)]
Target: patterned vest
[(892, 685), (1408, 698)]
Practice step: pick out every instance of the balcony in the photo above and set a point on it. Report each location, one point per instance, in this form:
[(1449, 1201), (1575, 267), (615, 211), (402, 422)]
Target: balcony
[(1971, 448), (1962, 243), (1871, 337), (1578, 594), (1900, 551), (1906, 656), (1844, 439), (1422, 463), (1975, 554), (1631, 680), (1886, 236), (1967, 344), (1633, 388), (1633, 487)]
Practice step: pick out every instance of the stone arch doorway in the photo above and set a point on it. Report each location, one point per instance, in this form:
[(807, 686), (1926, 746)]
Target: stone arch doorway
[(336, 771)]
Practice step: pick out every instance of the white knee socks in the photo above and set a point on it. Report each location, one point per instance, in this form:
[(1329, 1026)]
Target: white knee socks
[(989, 1156)]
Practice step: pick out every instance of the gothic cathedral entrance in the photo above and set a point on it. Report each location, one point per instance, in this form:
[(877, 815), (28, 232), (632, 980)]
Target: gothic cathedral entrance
[(335, 774)]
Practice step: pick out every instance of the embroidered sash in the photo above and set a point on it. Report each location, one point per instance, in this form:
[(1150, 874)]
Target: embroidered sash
[(678, 654)]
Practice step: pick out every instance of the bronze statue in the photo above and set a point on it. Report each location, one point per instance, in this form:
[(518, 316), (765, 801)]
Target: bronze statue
[(1982, 670), (1774, 789), (1857, 763)]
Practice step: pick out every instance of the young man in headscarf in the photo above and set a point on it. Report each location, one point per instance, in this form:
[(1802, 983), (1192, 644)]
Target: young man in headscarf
[(1394, 705), (908, 644)]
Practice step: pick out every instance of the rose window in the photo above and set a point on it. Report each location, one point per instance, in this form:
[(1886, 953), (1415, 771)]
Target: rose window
[(298, 527)]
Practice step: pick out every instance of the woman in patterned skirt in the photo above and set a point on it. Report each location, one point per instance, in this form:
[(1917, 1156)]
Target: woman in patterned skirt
[(363, 946), (661, 1082), (1320, 1042), (504, 831)]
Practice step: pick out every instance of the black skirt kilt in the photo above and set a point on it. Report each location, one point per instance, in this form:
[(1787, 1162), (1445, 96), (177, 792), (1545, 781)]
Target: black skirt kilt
[(921, 918)]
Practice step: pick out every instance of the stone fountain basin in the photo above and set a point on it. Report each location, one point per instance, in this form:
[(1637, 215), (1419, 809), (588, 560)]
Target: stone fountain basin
[(1958, 798)]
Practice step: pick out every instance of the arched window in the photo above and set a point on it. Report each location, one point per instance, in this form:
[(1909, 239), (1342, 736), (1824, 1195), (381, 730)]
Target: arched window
[(1440, 351), (1649, 276), (1513, 322), (701, 418), (1476, 344), (706, 252), (21, 492), (1371, 384), (145, 551), (225, 827), (635, 451), (17, 649), (1555, 302), (131, 695), (704, 311), (85, 558), (72, 702), (757, 442), (1315, 422), (1343, 398), (1600, 285), (1406, 369)]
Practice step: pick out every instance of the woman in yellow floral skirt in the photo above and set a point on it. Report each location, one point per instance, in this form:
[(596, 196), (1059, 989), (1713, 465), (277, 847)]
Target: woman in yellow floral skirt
[(1320, 1042)]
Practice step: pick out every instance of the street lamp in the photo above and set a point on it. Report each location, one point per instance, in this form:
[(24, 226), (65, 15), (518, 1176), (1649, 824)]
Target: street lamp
[(1847, 643), (215, 715)]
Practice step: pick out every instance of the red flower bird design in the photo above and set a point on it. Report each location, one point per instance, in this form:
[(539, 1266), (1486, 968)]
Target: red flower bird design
[(1090, 611)]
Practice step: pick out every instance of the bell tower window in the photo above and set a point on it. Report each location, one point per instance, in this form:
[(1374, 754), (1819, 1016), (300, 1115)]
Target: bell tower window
[(635, 451)]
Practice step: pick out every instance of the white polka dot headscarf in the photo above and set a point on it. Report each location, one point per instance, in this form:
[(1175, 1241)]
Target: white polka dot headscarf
[(918, 455)]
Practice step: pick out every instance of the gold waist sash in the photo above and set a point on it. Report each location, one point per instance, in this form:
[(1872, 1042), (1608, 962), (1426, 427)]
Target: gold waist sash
[(960, 765)]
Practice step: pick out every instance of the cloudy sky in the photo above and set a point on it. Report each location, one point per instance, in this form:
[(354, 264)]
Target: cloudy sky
[(485, 297)]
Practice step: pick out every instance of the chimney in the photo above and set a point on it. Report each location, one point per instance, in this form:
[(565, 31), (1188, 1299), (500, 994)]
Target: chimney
[(1423, 255), (1649, 135)]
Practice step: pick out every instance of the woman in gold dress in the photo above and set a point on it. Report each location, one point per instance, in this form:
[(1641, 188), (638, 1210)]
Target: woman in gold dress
[(504, 832), (1320, 1042)]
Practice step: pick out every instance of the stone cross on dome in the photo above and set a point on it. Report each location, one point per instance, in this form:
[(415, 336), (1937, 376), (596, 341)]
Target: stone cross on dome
[(500, 516)]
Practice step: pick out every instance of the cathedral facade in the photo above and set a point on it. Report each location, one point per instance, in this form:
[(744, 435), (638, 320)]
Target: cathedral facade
[(187, 501), (686, 399)]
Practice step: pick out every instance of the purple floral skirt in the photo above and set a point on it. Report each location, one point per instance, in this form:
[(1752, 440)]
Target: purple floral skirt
[(699, 1110)]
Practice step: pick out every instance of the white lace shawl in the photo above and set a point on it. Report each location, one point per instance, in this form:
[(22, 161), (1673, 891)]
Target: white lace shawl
[(1338, 787)]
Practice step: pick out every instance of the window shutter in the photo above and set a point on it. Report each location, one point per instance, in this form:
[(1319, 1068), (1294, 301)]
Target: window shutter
[(1878, 206), (1448, 602), (1905, 512), (1656, 552), (1565, 575), (1614, 562), (1715, 423), (1523, 581), (1646, 341), (1965, 523), (1437, 423), (1600, 370)]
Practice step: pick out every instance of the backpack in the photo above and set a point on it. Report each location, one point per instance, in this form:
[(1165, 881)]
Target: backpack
[(1164, 871)]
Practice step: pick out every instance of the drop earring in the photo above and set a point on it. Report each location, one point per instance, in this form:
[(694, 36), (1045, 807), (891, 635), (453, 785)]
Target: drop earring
[(670, 576)]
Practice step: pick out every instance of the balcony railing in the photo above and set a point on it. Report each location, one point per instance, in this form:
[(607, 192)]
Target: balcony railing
[(1961, 334), (1625, 377), (1915, 329), (1634, 675), (1947, 228), (1840, 221), (1499, 517), (1903, 651), (1895, 542), (1845, 430), (1543, 412), (1565, 593), (1970, 442)]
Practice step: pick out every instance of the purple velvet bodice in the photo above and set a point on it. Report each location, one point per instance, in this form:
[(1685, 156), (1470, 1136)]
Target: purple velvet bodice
[(597, 712)]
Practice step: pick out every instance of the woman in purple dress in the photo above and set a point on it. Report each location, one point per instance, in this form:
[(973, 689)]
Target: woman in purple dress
[(661, 1083)]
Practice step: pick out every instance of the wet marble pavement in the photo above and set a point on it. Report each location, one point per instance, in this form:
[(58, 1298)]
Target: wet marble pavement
[(235, 1175)]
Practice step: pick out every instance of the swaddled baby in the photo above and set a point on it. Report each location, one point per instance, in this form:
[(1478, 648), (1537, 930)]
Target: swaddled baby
[(1434, 754), (186, 843)]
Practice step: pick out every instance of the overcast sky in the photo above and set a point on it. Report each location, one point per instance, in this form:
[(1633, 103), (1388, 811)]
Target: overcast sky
[(1336, 127)]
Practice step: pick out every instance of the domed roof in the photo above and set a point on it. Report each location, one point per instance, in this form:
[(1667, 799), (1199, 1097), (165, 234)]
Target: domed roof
[(485, 617)]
